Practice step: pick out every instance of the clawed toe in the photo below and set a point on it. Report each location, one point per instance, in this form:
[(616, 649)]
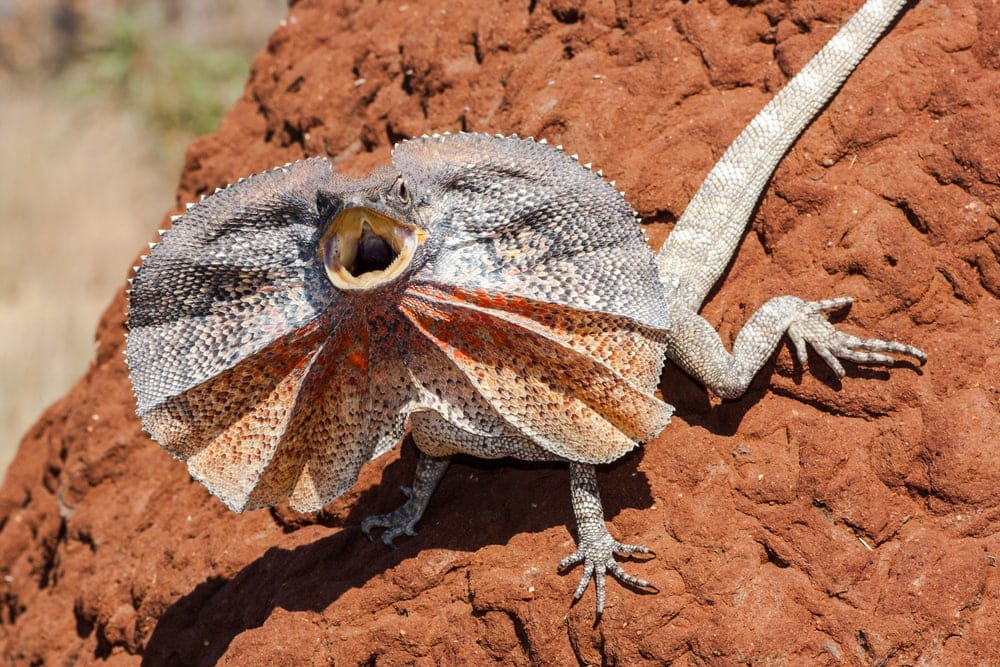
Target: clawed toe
[(403, 520), (395, 523), (597, 557), (833, 346)]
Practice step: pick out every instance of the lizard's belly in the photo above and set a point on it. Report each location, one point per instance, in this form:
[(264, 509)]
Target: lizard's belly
[(436, 436)]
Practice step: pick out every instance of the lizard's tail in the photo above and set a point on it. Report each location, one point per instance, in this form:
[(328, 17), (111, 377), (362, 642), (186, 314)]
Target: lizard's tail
[(702, 243)]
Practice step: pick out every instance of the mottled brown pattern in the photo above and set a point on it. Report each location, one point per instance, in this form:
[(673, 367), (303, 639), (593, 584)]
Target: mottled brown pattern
[(634, 351), (187, 423)]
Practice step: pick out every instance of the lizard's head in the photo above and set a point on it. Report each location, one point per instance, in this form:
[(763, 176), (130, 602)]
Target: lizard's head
[(374, 235)]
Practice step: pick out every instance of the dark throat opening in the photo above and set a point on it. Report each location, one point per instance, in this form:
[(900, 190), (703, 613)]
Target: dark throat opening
[(374, 253)]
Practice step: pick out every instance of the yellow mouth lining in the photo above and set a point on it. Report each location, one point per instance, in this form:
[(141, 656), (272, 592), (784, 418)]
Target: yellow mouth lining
[(364, 249)]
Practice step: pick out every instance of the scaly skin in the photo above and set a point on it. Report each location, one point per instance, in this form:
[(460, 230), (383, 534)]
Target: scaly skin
[(489, 293)]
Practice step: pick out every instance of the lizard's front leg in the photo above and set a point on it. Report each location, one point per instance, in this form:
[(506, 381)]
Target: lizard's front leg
[(596, 548), (695, 346), (404, 518)]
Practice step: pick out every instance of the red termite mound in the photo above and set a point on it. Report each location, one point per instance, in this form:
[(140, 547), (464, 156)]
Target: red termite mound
[(811, 521)]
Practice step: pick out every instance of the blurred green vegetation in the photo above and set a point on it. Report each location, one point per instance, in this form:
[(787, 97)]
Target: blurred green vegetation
[(98, 102), (175, 87)]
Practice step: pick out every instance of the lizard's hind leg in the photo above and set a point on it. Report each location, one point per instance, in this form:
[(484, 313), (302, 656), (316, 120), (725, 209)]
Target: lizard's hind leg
[(695, 346)]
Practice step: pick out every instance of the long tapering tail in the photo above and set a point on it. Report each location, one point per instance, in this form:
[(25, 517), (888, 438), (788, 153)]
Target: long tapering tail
[(702, 243)]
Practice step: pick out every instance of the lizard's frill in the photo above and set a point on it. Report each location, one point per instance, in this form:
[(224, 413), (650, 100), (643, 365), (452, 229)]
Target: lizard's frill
[(297, 420), (569, 380), (226, 280), (532, 326)]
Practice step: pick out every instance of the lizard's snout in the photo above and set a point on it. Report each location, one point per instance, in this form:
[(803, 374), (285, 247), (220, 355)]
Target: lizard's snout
[(364, 249)]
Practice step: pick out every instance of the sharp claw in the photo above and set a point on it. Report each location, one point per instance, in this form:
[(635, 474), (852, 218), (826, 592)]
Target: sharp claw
[(624, 577), (399, 522), (831, 345), (366, 527), (598, 561), (831, 361)]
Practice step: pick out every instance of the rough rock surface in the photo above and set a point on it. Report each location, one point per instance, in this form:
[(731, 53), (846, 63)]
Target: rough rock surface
[(812, 521)]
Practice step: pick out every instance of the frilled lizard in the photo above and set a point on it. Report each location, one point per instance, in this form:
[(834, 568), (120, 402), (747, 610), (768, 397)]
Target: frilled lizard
[(489, 294)]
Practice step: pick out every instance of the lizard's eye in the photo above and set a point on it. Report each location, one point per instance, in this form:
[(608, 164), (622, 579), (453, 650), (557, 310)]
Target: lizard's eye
[(402, 193)]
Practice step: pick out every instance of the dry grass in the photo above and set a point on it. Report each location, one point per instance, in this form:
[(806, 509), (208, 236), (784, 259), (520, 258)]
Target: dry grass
[(89, 162), (81, 187)]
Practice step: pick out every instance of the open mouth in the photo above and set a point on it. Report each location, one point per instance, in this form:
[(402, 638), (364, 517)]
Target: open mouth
[(364, 249)]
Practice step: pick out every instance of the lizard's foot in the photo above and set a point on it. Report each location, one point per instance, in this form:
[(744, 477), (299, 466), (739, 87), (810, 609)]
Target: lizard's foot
[(400, 521), (833, 345), (404, 518), (597, 553), (596, 548)]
